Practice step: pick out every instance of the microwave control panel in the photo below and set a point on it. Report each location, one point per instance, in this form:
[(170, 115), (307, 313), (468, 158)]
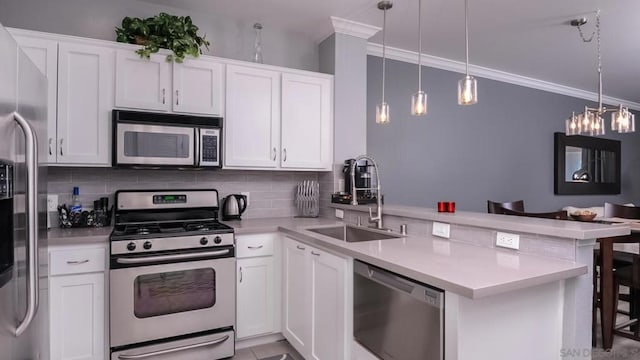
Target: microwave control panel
[(6, 180), (209, 145)]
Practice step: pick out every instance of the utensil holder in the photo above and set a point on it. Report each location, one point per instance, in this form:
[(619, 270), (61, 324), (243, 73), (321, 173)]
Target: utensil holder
[(308, 199)]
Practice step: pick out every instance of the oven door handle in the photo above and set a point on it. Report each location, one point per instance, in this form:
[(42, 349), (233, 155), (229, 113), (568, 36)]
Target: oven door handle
[(172, 350), (150, 259)]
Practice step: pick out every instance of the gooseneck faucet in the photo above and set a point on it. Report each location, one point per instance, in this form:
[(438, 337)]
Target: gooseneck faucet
[(354, 198)]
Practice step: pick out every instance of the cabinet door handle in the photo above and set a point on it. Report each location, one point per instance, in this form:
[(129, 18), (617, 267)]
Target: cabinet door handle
[(284, 154), (300, 247), (50, 149), (274, 154), (255, 247), (61, 153), (241, 274), (177, 97), (77, 262), (315, 253), (164, 98)]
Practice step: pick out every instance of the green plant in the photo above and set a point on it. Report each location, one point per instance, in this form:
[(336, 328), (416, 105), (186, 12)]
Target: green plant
[(176, 33)]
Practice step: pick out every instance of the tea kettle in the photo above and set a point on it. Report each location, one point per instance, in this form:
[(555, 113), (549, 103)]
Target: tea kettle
[(234, 205)]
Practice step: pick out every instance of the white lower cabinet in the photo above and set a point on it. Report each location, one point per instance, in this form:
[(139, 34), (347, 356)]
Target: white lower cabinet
[(315, 302), (77, 305), (258, 285), (255, 297)]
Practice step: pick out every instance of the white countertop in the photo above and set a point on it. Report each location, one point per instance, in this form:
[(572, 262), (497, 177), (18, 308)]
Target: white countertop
[(557, 228), (464, 269), (467, 270), (78, 236)]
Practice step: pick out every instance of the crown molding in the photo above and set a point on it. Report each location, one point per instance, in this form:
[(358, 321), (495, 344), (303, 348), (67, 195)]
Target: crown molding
[(353, 28), (493, 74)]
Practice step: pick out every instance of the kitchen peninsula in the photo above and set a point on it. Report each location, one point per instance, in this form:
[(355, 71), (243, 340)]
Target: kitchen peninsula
[(499, 303)]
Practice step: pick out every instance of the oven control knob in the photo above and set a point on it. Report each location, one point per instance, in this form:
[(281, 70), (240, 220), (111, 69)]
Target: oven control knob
[(204, 241), (147, 245), (131, 246), (217, 239)]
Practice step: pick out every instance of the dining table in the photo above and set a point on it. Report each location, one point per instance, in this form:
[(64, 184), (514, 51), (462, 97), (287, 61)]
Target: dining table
[(607, 302)]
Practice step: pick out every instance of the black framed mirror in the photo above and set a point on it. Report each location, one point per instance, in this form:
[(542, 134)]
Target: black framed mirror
[(586, 165)]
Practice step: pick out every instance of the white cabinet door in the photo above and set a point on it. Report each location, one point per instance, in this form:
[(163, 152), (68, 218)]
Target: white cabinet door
[(328, 321), (77, 317), (142, 83), (44, 54), (85, 101), (255, 297), (315, 302), (198, 87), (307, 119), (252, 122), (296, 326)]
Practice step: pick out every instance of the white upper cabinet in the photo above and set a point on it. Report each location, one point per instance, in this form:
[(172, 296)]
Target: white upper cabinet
[(143, 83), (278, 120), (307, 114), (198, 87), (44, 54), (195, 86), (252, 122), (85, 101)]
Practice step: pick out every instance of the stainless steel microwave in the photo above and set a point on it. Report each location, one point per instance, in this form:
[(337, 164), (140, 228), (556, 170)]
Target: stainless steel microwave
[(155, 140)]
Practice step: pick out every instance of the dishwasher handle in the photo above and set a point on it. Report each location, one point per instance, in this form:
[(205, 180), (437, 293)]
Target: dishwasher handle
[(398, 283)]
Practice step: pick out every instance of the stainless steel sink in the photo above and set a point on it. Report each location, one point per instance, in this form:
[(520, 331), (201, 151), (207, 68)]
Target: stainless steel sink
[(351, 233)]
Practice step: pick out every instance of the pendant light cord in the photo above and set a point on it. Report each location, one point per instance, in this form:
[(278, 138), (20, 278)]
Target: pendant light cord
[(384, 29), (600, 109), (466, 34), (419, 45)]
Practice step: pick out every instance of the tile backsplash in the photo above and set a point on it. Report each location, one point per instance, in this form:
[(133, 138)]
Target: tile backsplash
[(272, 193)]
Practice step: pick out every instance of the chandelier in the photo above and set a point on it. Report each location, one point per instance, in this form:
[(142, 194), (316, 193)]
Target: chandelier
[(591, 121)]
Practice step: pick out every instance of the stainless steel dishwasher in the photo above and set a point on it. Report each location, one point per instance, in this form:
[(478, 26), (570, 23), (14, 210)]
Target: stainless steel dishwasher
[(397, 318)]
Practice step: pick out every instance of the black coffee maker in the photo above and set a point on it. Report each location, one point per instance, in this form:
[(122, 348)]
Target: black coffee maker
[(362, 177)]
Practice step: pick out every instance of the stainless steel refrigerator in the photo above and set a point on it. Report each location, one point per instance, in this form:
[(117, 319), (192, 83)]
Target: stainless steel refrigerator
[(24, 310)]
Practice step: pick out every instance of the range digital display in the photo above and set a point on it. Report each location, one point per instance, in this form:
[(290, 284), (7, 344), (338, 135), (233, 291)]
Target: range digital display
[(169, 199)]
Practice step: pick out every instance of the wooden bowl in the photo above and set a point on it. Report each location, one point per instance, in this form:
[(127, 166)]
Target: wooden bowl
[(583, 217)]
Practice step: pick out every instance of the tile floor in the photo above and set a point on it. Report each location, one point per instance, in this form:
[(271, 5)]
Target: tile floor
[(267, 350)]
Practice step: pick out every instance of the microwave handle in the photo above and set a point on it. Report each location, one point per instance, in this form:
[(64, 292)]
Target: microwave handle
[(196, 142)]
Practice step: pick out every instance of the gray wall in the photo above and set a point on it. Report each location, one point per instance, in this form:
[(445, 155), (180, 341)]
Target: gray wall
[(97, 19), (345, 55), (499, 149)]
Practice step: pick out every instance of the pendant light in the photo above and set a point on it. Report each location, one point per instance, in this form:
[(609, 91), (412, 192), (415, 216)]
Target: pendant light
[(419, 99), (382, 109), (468, 85), (591, 121)]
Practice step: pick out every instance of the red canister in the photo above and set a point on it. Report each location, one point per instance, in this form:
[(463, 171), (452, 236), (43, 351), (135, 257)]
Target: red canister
[(451, 206), (442, 206)]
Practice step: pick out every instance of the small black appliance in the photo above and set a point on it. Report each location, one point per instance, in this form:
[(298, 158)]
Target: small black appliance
[(233, 207)]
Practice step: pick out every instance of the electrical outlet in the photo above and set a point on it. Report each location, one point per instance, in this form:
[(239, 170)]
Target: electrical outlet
[(441, 229), (340, 213), (52, 202), (247, 194), (511, 241)]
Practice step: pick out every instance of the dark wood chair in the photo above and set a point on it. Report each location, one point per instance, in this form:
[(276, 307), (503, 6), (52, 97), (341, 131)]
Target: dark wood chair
[(493, 206), (621, 260), (557, 215), (621, 211), (628, 276)]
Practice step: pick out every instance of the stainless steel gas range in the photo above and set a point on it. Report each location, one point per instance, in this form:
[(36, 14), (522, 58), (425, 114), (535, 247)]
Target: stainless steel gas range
[(172, 277)]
